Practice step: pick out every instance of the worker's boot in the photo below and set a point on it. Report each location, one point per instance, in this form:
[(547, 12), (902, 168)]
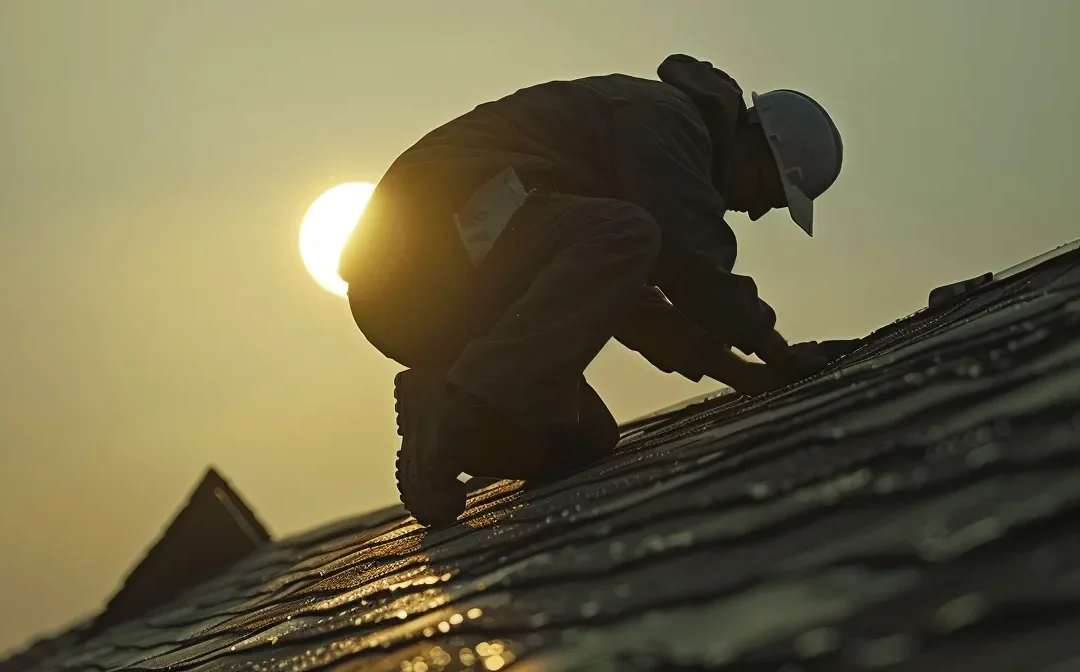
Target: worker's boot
[(575, 446), (512, 449), (432, 436), (446, 431), (501, 446)]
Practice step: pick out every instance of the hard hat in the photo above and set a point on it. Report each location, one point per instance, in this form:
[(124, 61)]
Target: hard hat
[(806, 145)]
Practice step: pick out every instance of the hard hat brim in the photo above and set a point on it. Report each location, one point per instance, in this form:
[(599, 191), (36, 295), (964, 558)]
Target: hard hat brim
[(800, 207)]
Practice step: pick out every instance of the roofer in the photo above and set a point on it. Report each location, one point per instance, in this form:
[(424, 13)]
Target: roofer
[(504, 249)]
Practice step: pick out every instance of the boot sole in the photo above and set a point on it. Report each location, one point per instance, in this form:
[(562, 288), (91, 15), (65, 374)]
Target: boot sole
[(434, 496)]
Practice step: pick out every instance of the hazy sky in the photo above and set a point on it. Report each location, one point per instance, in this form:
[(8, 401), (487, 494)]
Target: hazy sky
[(156, 157)]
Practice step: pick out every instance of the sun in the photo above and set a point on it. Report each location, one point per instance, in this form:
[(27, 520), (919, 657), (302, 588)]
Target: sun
[(325, 228)]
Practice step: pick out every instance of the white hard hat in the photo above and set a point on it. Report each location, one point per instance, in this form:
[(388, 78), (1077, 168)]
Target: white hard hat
[(806, 146)]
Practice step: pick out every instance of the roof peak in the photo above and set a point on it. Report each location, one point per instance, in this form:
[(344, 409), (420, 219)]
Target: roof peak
[(212, 531)]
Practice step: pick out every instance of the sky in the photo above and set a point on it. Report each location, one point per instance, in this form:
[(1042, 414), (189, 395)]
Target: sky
[(156, 159)]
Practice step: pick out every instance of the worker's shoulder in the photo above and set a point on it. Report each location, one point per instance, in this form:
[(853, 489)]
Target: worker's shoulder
[(613, 89), (628, 88)]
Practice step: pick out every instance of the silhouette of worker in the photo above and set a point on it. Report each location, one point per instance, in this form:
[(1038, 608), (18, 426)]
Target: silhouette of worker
[(504, 249)]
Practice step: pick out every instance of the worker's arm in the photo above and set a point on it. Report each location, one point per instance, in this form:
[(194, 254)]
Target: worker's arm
[(664, 160), (672, 342), (661, 334)]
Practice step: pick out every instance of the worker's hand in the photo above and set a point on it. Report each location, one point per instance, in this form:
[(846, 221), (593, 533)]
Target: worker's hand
[(801, 360), (796, 362), (790, 361), (836, 349), (721, 364), (753, 379)]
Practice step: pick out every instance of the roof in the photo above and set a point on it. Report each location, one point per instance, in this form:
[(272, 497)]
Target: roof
[(211, 532), (912, 508)]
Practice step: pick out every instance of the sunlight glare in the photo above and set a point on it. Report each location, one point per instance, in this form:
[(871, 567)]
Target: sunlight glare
[(325, 228)]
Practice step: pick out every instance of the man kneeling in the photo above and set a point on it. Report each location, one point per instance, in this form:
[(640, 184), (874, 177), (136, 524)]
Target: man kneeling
[(503, 250)]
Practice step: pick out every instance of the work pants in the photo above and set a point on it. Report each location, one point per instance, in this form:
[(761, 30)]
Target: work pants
[(520, 329)]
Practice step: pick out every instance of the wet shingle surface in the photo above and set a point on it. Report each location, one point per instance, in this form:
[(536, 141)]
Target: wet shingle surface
[(913, 508)]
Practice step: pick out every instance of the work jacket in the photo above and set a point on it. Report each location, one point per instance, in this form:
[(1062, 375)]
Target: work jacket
[(663, 145)]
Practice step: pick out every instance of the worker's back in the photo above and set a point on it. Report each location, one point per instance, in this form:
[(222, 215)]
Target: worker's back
[(601, 136), (557, 134)]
